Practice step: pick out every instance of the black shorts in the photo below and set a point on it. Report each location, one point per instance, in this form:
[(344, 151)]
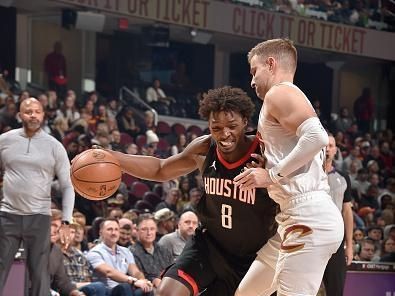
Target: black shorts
[(205, 269)]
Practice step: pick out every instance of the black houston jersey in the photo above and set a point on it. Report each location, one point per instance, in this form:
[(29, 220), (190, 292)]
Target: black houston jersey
[(240, 221)]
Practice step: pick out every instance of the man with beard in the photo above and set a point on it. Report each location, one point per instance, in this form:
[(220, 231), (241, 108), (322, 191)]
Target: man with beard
[(30, 158)]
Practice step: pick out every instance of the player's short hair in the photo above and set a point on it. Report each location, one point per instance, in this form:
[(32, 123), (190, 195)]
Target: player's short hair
[(282, 49), (226, 99)]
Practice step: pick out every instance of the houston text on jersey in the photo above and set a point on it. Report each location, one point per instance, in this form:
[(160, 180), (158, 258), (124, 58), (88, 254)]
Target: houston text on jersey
[(226, 188)]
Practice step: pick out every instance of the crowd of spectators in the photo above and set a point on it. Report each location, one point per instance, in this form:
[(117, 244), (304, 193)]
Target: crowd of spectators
[(369, 14), (146, 214)]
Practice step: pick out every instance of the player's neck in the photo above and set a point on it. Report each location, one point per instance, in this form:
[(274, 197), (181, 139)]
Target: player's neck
[(282, 77)]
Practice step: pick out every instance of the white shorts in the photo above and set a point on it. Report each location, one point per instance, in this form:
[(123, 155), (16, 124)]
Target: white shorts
[(310, 230)]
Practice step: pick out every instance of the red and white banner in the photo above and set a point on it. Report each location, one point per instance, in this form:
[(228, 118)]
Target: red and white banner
[(254, 23)]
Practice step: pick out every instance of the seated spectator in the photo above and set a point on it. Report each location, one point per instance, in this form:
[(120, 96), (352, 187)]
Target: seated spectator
[(69, 110), (126, 121), (151, 258), (166, 222), (367, 250), (375, 233), (114, 265), (125, 235), (59, 128), (361, 183), (59, 272), (170, 201), (156, 97), (115, 213), (388, 250), (175, 241), (79, 242), (370, 198), (358, 235), (195, 194), (184, 186), (115, 142), (180, 145)]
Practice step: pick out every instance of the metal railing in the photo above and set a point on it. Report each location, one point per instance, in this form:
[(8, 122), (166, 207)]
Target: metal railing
[(137, 100)]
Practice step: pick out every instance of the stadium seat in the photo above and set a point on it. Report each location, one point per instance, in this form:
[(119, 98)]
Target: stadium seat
[(126, 139), (163, 128), (143, 206), (152, 198), (128, 180), (194, 129), (178, 128), (138, 189), (141, 140), (158, 189), (163, 145)]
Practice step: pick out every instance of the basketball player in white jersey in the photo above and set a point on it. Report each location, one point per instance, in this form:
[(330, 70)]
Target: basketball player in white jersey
[(310, 225)]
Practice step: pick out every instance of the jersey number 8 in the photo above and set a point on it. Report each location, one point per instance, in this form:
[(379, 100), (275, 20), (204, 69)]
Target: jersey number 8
[(226, 216)]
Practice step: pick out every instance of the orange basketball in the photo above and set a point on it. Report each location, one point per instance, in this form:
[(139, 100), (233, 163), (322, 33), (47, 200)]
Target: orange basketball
[(95, 174)]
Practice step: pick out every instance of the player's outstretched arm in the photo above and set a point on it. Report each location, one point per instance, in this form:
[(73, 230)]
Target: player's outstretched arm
[(160, 170)]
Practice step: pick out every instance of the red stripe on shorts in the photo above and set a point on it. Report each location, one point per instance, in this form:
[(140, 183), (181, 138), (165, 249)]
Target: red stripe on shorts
[(190, 281)]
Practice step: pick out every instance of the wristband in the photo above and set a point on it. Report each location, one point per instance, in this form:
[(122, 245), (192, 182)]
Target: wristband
[(65, 222)]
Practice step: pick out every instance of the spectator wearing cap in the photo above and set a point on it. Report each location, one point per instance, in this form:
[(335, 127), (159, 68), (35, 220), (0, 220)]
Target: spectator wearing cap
[(176, 240), (151, 146), (151, 258), (166, 222)]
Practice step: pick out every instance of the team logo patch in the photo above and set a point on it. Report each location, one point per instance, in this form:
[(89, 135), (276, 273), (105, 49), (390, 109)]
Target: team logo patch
[(302, 231), (213, 166)]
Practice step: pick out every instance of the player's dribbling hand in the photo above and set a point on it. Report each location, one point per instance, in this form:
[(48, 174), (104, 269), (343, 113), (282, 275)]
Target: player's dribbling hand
[(253, 178)]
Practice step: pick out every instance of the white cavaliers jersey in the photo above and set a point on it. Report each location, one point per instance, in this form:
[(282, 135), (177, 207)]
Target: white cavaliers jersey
[(279, 142)]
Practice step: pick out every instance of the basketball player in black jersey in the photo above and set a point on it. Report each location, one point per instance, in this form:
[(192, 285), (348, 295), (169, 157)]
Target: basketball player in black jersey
[(234, 223)]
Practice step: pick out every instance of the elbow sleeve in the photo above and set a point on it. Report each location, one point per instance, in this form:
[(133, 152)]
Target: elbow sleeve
[(312, 138)]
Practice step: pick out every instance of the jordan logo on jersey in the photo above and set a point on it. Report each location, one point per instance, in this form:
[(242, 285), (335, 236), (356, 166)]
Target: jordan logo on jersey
[(213, 165), (226, 188)]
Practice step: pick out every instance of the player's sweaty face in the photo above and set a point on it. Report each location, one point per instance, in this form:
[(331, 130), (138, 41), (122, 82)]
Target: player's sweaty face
[(226, 128)]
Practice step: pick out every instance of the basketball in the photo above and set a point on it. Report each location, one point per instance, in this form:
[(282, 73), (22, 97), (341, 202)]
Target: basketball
[(95, 174)]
